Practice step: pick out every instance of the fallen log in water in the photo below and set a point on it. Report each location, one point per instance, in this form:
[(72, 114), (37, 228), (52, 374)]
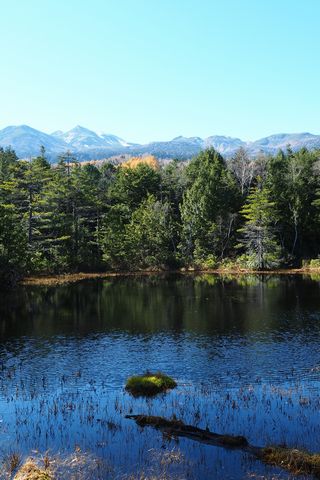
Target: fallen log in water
[(178, 428), (293, 460)]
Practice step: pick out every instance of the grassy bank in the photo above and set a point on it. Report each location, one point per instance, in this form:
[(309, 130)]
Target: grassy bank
[(67, 278)]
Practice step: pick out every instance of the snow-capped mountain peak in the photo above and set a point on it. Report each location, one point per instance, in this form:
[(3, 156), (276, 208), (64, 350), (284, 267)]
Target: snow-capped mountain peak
[(86, 144), (113, 140)]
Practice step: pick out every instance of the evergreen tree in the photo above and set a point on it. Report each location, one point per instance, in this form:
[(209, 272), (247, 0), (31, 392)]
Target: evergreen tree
[(208, 209), (150, 235), (8, 159), (112, 237), (258, 236), (13, 246), (133, 185), (71, 216), (293, 182)]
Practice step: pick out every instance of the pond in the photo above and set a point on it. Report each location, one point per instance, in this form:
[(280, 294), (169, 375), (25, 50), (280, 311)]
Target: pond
[(244, 351)]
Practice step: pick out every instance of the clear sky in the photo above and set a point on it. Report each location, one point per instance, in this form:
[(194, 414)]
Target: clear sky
[(155, 69)]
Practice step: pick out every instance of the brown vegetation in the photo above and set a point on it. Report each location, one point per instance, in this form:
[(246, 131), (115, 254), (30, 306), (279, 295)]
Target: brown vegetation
[(30, 471), (293, 460), (61, 279)]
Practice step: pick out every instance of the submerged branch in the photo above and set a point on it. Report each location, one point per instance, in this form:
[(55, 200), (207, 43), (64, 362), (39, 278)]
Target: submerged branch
[(178, 428), (293, 460)]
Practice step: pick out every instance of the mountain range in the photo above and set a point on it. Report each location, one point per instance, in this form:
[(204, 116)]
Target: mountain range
[(86, 144)]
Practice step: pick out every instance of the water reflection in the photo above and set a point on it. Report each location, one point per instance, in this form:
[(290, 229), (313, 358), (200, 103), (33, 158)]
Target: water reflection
[(244, 350), (207, 304)]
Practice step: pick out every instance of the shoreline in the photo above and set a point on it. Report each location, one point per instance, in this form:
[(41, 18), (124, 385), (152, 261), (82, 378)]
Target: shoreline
[(69, 278)]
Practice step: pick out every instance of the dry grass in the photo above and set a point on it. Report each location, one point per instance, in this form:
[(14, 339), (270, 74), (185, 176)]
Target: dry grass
[(295, 461), (85, 466), (79, 466), (163, 460), (69, 278), (76, 466), (12, 462), (31, 471), (174, 456)]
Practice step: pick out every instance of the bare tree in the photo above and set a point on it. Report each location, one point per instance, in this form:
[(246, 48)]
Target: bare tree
[(243, 167)]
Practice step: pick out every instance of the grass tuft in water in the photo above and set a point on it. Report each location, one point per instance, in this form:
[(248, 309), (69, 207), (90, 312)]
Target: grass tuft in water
[(296, 461), (149, 384), (30, 471), (12, 462)]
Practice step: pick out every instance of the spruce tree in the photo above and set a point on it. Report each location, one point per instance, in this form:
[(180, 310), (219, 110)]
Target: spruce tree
[(258, 234)]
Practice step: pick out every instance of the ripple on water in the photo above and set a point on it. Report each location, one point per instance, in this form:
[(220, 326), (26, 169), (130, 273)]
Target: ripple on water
[(246, 358)]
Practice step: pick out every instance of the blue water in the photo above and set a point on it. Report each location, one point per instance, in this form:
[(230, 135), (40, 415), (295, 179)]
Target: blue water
[(245, 353)]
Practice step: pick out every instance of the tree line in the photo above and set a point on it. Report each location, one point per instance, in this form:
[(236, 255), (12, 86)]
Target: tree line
[(259, 213)]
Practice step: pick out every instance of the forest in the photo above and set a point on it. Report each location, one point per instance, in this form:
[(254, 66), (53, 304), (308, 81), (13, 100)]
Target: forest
[(261, 213)]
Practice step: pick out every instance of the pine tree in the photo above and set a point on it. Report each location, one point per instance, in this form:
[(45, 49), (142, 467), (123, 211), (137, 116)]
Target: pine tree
[(208, 209), (150, 235), (13, 245), (258, 237)]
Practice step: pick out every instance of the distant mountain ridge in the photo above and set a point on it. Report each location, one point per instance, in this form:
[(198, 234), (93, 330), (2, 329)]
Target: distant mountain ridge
[(86, 144), (80, 138)]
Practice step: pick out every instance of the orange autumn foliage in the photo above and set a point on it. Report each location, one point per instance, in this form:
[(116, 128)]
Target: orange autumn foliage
[(149, 160)]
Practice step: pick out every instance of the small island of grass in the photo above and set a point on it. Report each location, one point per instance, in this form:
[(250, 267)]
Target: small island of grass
[(149, 384)]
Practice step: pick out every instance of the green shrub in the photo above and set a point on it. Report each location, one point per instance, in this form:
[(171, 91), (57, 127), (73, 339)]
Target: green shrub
[(314, 263), (204, 260), (235, 263)]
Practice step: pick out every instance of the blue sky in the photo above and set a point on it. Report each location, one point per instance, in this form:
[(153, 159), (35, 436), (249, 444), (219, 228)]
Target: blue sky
[(146, 69)]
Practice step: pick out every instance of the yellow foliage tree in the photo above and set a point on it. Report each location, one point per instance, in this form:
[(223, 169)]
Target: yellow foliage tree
[(149, 160)]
